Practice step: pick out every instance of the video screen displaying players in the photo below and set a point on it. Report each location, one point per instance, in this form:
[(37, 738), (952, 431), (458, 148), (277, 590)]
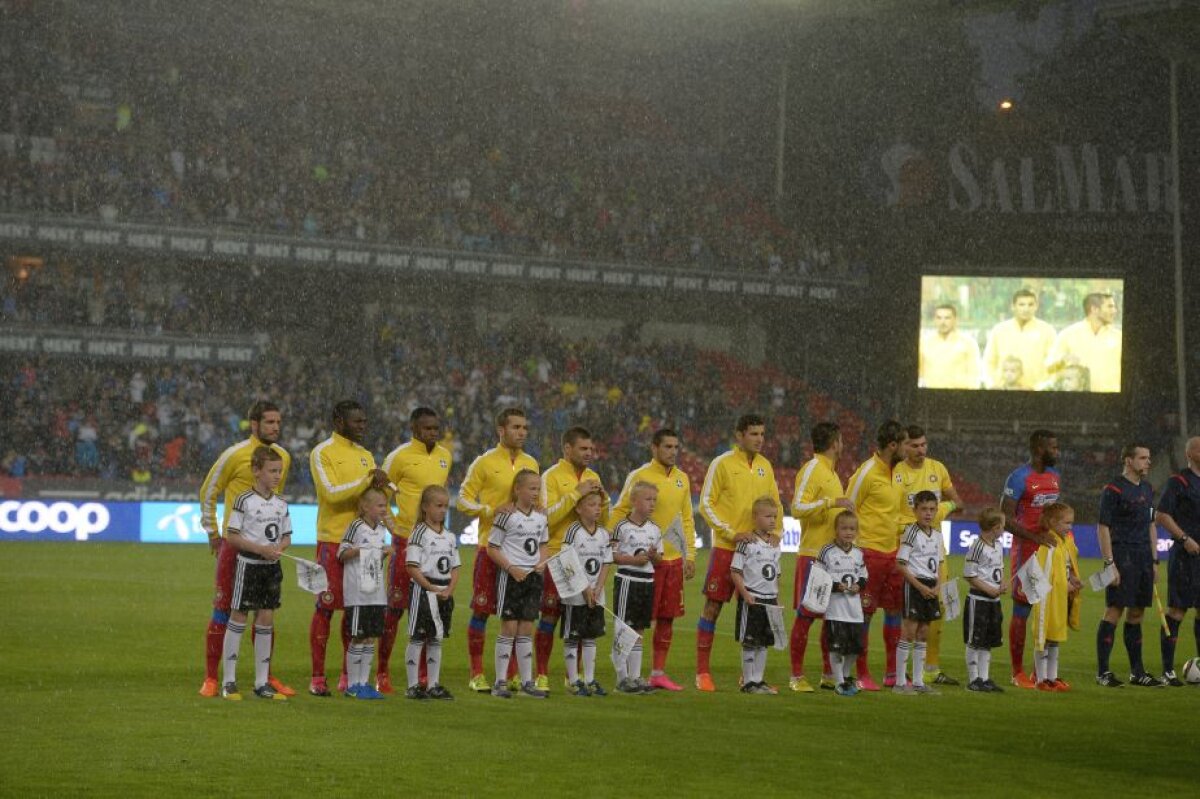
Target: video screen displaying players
[(1021, 334)]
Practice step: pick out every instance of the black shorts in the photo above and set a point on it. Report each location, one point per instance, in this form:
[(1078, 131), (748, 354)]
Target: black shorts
[(1137, 579), (256, 586), (1183, 579), (366, 621), (983, 623), (844, 637), (917, 607), (520, 600), (751, 627), (420, 617), (580, 622), (634, 601)]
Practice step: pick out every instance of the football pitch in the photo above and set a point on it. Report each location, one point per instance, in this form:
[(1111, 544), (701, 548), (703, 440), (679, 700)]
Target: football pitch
[(102, 656)]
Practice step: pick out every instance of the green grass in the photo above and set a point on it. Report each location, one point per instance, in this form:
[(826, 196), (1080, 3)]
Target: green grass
[(102, 654)]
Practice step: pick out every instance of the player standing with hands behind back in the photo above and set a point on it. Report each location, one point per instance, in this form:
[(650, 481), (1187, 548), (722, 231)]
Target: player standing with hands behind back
[(637, 548), (919, 560)]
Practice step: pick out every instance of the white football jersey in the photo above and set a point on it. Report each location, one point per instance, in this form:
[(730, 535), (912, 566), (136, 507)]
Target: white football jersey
[(846, 569), (634, 539), (519, 535), (922, 551), (435, 553), (758, 562), (367, 568), (259, 519), (594, 550), (985, 562)]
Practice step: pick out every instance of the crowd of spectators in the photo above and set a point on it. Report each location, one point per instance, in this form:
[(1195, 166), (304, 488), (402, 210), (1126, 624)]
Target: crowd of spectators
[(549, 168)]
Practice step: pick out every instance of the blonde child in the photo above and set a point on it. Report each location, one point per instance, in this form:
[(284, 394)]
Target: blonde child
[(363, 549), (1051, 615), (432, 563)]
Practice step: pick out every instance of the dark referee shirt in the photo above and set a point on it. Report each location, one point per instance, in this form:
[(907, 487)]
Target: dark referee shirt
[(1127, 509), (1181, 501)]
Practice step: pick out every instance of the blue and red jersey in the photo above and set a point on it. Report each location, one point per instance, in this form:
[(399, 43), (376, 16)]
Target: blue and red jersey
[(1031, 490)]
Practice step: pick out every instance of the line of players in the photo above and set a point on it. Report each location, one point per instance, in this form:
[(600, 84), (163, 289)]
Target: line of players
[(880, 496)]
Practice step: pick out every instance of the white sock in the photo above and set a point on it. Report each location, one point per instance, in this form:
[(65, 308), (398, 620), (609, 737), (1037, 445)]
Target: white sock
[(919, 663), (634, 664), (972, 664), (524, 651), (353, 662), (847, 668), (412, 662), (571, 660), (749, 660), (1052, 661), (985, 662), (262, 655), (835, 663), (589, 660), (620, 663), (760, 664), (504, 648), (233, 642), (1040, 663), (902, 650), (433, 661), (368, 651)]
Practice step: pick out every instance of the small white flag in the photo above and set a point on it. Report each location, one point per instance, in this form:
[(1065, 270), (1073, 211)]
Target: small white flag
[(624, 638), (674, 535), (775, 618), (1034, 583), (310, 576), (568, 573), (952, 606), (436, 613), (370, 572), (1103, 578), (818, 590)]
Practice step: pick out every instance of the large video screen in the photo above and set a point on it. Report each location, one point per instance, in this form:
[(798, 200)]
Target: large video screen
[(1021, 334)]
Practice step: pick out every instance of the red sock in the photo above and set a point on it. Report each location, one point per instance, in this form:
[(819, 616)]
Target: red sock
[(891, 638), (543, 646), (345, 639), (860, 666), (825, 667), (214, 645), (318, 638), (664, 629), (391, 622), (1016, 643), (475, 648), (799, 642), (704, 639)]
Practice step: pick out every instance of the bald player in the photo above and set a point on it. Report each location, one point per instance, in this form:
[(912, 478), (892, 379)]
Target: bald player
[(411, 467), (487, 491)]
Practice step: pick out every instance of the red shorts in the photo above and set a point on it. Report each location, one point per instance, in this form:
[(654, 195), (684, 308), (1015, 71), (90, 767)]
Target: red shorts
[(803, 567), (331, 598), (550, 599), (885, 583), (398, 580), (718, 585), (483, 587), (223, 581), (1019, 556), (668, 589)]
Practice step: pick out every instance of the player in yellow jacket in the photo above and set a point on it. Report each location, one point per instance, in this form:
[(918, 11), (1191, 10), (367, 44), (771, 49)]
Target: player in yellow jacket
[(486, 491), (411, 467), (735, 479), (816, 502), (919, 472), (342, 469), (673, 515), (876, 498), (228, 479), (563, 485)]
